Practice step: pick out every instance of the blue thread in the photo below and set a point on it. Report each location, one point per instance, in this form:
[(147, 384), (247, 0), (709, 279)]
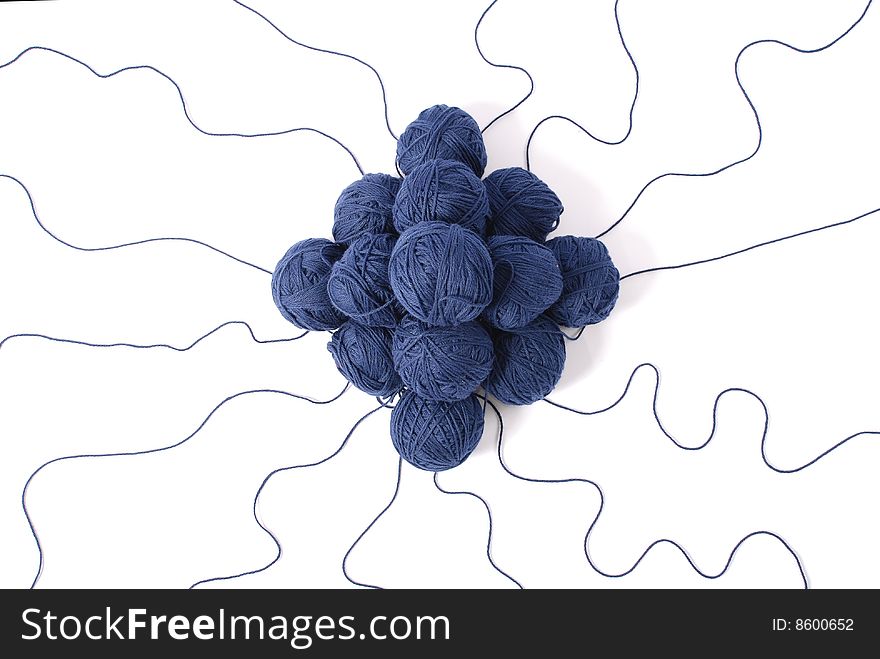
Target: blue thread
[(130, 244), (260, 489), (364, 207), (147, 67), (195, 126), (489, 540), (526, 281), (436, 435), (441, 273), (521, 204), (632, 106), (706, 575), (442, 132), (532, 86), (577, 335), (590, 281), (147, 452), (366, 530), (363, 356), (804, 51), (528, 363), (442, 363), (142, 346), (700, 446), (718, 398), (358, 284), (631, 274), (773, 241), (501, 66), (299, 285), (327, 51), (442, 191), (385, 510)]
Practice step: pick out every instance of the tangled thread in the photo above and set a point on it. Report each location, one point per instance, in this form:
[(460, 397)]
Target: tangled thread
[(358, 283), (522, 204), (526, 282), (442, 290), (442, 191), (442, 133), (442, 363), (436, 435), (528, 363), (299, 285), (362, 356), (441, 273), (364, 207), (590, 282)]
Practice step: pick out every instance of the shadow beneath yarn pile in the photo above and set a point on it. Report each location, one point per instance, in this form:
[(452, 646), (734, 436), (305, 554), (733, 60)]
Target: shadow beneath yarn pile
[(630, 251), (581, 355), (585, 212), (511, 415)]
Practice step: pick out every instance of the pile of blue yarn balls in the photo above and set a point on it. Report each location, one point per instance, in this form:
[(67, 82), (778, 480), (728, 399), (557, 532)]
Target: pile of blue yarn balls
[(441, 288)]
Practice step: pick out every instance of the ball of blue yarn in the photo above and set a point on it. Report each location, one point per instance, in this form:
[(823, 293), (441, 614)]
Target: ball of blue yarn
[(442, 363), (521, 204), (441, 273), (363, 356), (299, 285), (442, 132), (365, 207), (436, 435), (590, 282), (526, 281), (442, 191), (528, 363), (358, 285)]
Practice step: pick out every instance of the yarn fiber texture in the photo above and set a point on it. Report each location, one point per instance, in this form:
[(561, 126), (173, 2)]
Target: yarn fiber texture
[(436, 435), (526, 281), (299, 285), (442, 285), (521, 204), (441, 273), (443, 132), (364, 207), (442, 191), (528, 363), (442, 363), (363, 356), (358, 284), (590, 281)]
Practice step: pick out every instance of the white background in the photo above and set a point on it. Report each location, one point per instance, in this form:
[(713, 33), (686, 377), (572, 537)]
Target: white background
[(111, 161)]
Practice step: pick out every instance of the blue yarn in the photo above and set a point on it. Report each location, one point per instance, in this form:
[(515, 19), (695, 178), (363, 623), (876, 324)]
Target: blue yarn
[(442, 191), (590, 282), (526, 280), (365, 207), (521, 204), (435, 435), (299, 285), (442, 363), (528, 363), (442, 132), (363, 356), (441, 273), (358, 284)]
